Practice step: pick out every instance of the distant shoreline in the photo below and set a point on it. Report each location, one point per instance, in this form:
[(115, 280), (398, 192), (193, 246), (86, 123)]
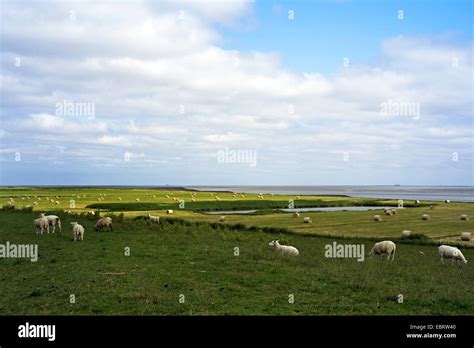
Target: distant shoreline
[(407, 192)]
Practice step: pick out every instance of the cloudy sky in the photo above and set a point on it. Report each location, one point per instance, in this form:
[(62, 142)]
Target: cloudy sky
[(312, 92)]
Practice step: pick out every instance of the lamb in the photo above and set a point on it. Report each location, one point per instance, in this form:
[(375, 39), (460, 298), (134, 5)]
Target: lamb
[(154, 219), (453, 253), (77, 231), (54, 220), (41, 224), (386, 247), (103, 223), (284, 249)]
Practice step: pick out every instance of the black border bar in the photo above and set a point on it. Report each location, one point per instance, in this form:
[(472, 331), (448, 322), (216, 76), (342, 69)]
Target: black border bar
[(261, 330)]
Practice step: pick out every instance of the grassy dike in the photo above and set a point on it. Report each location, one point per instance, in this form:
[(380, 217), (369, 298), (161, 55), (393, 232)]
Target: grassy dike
[(197, 259)]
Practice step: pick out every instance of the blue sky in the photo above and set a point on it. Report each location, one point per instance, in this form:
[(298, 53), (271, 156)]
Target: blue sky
[(155, 91), (331, 30)]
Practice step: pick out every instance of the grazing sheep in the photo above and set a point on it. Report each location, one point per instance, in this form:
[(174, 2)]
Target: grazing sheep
[(447, 201), (406, 234), (417, 201), (298, 197), (77, 231), (388, 212), (169, 211), (284, 249), (453, 253), (137, 199), (466, 236), (296, 215), (54, 220), (464, 217), (425, 217), (307, 220), (386, 247), (222, 219), (41, 224), (103, 223), (154, 219), (377, 218), (432, 207), (120, 198)]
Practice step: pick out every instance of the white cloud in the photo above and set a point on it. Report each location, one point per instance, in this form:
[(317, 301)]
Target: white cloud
[(161, 83)]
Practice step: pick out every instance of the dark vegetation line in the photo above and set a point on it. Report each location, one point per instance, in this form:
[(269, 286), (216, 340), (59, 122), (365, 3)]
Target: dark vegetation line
[(240, 205)]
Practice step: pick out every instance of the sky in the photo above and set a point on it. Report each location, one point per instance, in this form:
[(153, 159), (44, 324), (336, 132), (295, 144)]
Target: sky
[(195, 92)]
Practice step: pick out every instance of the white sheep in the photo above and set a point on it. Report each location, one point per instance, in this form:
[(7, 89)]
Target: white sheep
[(466, 236), (41, 224), (103, 223), (169, 211), (77, 231), (54, 220), (296, 215), (453, 253), (222, 218), (154, 219), (377, 218), (447, 201), (417, 201), (425, 217), (284, 249), (386, 247), (406, 233), (464, 217), (307, 220)]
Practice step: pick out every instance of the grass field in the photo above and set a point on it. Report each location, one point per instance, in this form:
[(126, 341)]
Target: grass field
[(191, 254)]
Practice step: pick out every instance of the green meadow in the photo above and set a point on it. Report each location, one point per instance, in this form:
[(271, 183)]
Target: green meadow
[(191, 264)]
